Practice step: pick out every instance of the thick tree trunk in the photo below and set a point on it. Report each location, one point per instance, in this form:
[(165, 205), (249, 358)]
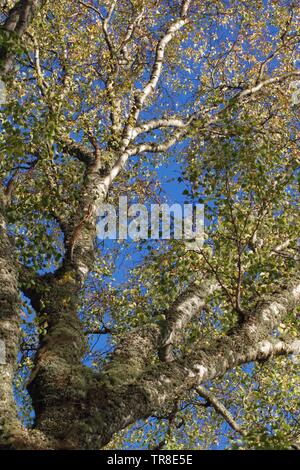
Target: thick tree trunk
[(76, 408), (12, 433), (58, 383), (133, 387), (9, 326)]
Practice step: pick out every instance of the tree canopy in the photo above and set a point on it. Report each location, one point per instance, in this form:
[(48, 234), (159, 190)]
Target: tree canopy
[(146, 343)]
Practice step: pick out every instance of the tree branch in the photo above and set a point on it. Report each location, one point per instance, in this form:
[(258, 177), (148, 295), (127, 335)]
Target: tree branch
[(141, 96), (77, 150), (140, 391), (252, 90), (153, 124), (18, 20), (189, 304), (220, 408)]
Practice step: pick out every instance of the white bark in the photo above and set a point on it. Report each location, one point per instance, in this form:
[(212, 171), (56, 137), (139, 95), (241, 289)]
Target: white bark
[(188, 305)]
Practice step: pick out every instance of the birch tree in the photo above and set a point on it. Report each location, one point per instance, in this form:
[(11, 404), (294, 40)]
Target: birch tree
[(100, 97)]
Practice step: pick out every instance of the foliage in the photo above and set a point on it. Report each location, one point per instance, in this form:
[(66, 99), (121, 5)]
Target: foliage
[(75, 84)]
